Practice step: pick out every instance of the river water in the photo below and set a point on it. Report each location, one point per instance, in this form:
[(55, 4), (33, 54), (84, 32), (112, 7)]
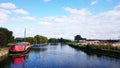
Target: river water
[(59, 56)]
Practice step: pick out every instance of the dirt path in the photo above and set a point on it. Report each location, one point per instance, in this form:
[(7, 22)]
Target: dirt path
[(3, 52)]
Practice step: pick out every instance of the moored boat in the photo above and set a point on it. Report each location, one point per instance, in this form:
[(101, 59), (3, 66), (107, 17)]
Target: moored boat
[(21, 47)]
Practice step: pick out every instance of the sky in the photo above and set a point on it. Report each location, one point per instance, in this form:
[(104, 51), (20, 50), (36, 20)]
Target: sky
[(92, 19)]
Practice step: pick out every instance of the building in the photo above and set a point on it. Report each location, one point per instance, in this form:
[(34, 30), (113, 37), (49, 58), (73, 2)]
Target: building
[(19, 39)]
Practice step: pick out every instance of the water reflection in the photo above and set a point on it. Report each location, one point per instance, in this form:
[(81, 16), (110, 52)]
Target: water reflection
[(14, 61), (38, 48), (18, 61), (59, 56), (3, 57), (98, 54)]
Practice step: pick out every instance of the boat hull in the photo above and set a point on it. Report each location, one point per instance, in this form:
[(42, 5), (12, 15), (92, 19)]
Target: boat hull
[(19, 52), (22, 47)]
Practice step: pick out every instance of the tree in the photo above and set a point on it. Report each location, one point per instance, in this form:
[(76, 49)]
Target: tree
[(41, 39), (32, 40), (53, 40), (77, 38), (65, 41), (44, 39), (6, 36), (2, 39), (38, 39)]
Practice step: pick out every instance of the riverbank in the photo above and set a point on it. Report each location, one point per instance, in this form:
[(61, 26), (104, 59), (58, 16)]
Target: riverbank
[(3, 52), (106, 50)]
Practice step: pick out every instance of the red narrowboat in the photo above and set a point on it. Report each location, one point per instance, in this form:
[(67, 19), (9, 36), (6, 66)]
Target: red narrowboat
[(21, 47)]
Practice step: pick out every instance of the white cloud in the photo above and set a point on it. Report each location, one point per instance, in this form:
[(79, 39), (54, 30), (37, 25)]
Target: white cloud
[(22, 19), (7, 5), (4, 11), (105, 25), (46, 0), (54, 19), (4, 15), (20, 11), (3, 18), (44, 23), (93, 2), (9, 12), (82, 12), (29, 18)]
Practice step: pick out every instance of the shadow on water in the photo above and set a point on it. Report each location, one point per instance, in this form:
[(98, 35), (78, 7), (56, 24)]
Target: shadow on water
[(14, 60), (90, 52)]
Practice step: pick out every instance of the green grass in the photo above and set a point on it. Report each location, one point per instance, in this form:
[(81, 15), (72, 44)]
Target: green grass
[(102, 47)]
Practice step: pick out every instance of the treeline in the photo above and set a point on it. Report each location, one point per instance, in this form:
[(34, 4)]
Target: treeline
[(38, 39), (6, 36), (77, 38), (65, 41), (61, 40)]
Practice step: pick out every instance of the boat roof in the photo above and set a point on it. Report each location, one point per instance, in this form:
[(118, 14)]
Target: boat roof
[(21, 43)]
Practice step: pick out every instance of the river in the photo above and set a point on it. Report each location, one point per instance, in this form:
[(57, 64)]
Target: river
[(59, 56)]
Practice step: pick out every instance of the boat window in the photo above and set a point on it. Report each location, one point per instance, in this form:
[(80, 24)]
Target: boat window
[(20, 44)]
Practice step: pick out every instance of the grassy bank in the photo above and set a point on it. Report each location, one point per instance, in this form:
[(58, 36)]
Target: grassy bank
[(4, 51), (108, 50), (101, 47)]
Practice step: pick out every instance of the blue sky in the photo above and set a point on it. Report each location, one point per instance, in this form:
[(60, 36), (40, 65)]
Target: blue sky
[(92, 19)]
